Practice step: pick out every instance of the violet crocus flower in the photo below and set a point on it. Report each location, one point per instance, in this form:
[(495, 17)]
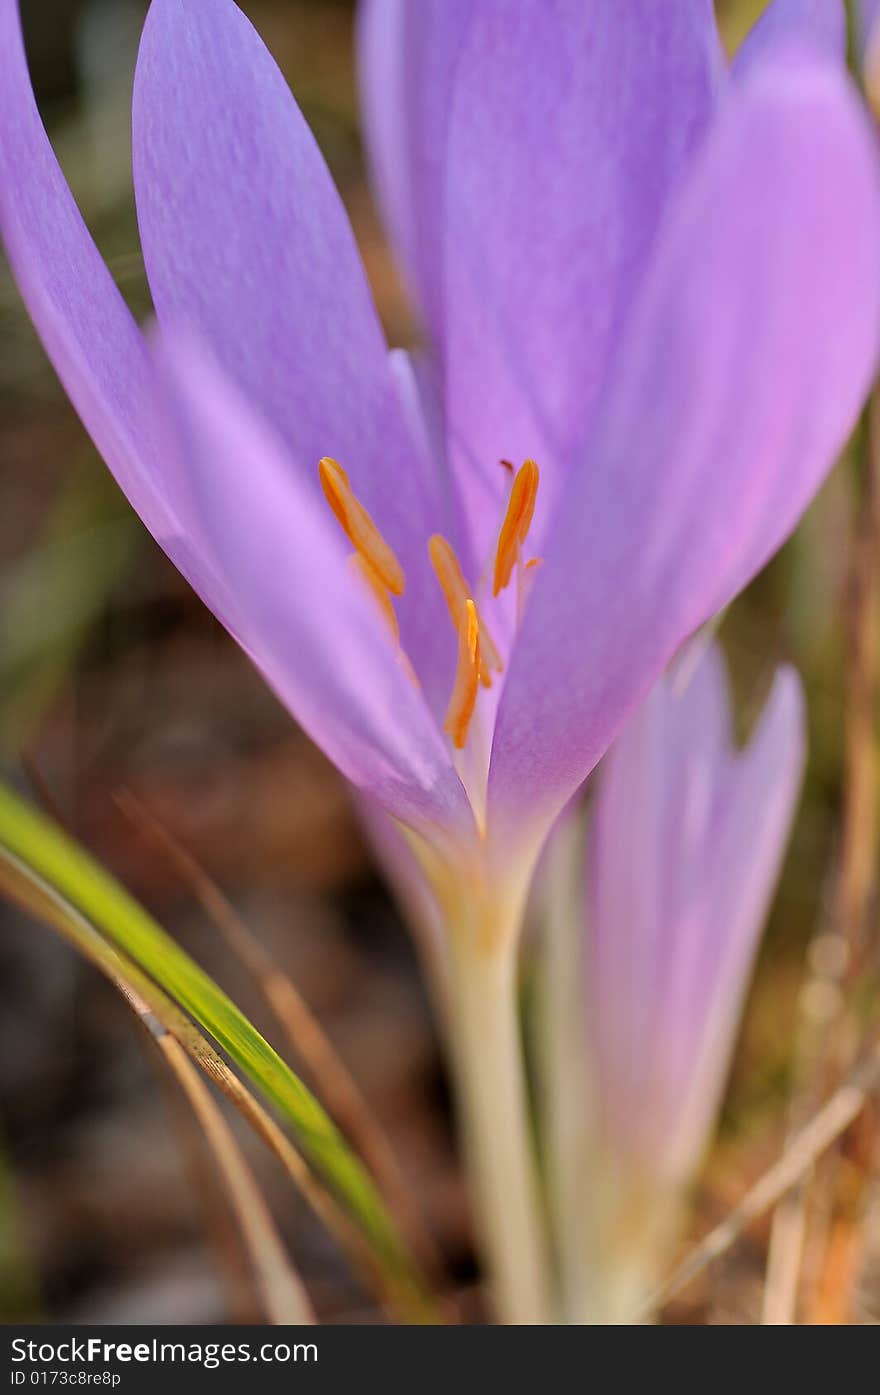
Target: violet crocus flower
[(655, 279), (684, 843)]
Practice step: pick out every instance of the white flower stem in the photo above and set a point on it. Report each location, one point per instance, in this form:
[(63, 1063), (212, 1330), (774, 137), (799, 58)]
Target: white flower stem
[(563, 1079), (487, 1051)]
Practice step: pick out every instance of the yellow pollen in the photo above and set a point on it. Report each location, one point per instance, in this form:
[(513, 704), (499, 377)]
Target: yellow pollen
[(359, 526), (464, 694), (455, 590), (517, 521), (364, 569)]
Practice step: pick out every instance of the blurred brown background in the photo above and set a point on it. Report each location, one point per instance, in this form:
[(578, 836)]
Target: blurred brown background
[(112, 676)]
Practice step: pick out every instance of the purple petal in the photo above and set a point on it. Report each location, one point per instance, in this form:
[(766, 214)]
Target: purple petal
[(866, 15), (685, 845), (817, 25), (247, 243), (82, 320), (310, 627), (741, 861), (868, 36), (406, 63), (571, 124), (752, 349), (657, 787), (84, 324)]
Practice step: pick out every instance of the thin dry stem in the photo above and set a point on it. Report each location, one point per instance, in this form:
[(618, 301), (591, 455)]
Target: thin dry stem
[(337, 1088), (234, 1272), (802, 1153), (283, 1293), (838, 1195), (858, 853), (35, 896), (784, 1257), (809, 1223)]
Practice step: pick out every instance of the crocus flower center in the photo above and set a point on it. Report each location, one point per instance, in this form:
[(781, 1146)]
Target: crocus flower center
[(379, 569)]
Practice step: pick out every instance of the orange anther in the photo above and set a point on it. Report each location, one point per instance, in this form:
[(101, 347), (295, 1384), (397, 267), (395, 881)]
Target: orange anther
[(464, 693), (456, 592), (359, 526), (517, 521)]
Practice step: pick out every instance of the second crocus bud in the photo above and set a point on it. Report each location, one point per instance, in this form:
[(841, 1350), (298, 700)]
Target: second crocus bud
[(669, 878)]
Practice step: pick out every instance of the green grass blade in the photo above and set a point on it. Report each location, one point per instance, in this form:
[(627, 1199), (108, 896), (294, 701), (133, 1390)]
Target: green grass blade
[(161, 1015), (34, 840)]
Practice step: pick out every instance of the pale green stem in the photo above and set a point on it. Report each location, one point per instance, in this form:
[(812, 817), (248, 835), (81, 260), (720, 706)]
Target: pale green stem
[(487, 1052), (613, 1225), (563, 1078)]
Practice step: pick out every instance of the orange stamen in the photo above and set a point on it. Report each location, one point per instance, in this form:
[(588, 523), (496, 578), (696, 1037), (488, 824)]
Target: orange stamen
[(364, 569), (517, 521), (455, 589), (359, 526), (464, 694)]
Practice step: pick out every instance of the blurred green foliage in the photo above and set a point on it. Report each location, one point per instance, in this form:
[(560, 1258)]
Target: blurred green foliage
[(51, 598), (18, 1294)]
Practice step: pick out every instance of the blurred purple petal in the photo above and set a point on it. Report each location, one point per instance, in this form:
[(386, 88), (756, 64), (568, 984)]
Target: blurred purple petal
[(819, 25), (406, 62), (85, 326), (686, 841), (869, 49), (748, 842), (869, 11), (744, 369), (307, 623), (246, 242), (570, 127)]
